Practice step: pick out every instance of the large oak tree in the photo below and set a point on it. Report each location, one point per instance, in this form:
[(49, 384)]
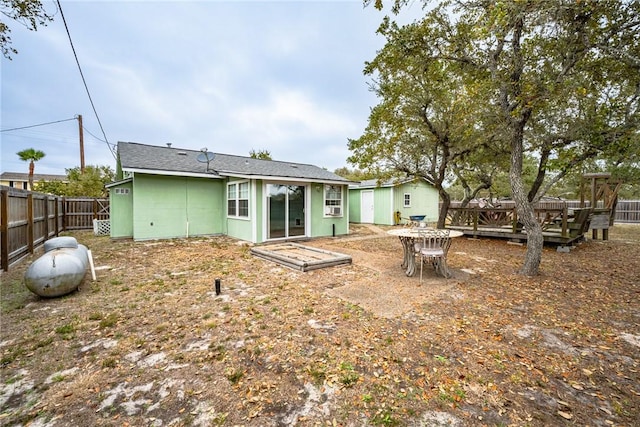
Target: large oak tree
[(559, 80), (425, 124)]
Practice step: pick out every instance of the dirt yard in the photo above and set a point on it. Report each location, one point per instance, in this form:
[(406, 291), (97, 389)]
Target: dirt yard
[(149, 343)]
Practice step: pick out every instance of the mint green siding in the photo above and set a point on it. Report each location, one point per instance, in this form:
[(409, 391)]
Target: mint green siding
[(383, 206), (164, 207), (423, 200), (387, 200), (168, 206), (239, 228), (121, 210), (355, 207), (249, 229), (321, 224), (257, 199)]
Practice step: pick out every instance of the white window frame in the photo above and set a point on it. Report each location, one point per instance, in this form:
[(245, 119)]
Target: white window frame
[(237, 199), (329, 204), (406, 201)]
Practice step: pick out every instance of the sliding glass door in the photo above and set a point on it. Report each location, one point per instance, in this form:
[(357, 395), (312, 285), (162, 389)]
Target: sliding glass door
[(285, 211)]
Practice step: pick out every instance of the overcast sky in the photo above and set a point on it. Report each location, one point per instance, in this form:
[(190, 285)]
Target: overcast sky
[(231, 76)]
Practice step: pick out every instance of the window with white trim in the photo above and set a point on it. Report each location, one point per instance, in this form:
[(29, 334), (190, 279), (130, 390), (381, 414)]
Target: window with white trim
[(407, 200), (333, 200), (238, 199)]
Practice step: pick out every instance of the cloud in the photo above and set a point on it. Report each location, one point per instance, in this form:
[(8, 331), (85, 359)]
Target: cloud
[(232, 76), (289, 115)]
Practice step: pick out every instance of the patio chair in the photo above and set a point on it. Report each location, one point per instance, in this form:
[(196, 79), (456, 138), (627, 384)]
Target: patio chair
[(431, 247)]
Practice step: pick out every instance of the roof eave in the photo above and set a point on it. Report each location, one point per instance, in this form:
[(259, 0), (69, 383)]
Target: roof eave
[(282, 178), (173, 173), (116, 183)]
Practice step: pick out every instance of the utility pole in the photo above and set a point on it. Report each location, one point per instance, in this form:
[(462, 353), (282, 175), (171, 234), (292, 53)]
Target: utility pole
[(81, 133)]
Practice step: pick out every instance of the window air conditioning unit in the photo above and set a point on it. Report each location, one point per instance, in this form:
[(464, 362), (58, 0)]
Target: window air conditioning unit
[(333, 210)]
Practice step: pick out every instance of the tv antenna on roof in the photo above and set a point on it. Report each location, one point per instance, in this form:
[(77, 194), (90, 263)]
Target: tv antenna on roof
[(205, 157)]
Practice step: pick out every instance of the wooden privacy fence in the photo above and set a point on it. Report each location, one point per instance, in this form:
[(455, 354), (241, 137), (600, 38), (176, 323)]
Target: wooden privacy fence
[(28, 219), (627, 211)]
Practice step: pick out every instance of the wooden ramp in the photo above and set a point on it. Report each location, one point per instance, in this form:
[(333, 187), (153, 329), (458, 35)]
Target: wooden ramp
[(300, 257)]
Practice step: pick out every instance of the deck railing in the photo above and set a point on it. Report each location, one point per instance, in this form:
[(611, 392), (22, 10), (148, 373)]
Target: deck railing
[(627, 211), (551, 219)]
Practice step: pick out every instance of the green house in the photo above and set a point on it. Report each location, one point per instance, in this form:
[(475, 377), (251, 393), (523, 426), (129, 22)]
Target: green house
[(167, 192), (392, 202)]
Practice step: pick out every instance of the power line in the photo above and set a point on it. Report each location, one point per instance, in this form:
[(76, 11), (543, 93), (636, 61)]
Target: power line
[(40, 124), (111, 146), (83, 79), (43, 136), (89, 132)]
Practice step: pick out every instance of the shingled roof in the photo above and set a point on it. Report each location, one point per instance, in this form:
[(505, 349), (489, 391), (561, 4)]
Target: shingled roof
[(169, 160), (19, 176), (374, 183)]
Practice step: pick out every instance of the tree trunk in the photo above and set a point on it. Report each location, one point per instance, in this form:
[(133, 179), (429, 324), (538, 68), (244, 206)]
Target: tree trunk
[(31, 167), (525, 211), (526, 215), (445, 200)]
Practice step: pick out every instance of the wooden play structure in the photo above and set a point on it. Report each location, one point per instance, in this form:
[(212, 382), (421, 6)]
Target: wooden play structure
[(603, 198)]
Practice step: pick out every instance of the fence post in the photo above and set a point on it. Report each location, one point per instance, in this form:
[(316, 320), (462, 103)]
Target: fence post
[(4, 230), (30, 222), (56, 211), (64, 214), (46, 217)]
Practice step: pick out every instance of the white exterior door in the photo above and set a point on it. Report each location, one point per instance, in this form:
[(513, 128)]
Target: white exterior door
[(366, 206)]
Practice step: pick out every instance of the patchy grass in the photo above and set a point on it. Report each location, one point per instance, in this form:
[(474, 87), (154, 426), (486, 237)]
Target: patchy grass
[(150, 342), (15, 294)]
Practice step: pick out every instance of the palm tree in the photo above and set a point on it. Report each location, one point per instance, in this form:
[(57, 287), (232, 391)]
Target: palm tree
[(31, 155)]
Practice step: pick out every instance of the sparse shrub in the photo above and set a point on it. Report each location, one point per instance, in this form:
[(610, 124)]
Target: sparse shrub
[(96, 316), (109, 362), (57, 378), (234, 375), (66, 331), (109, 321), (218, 351), (42, 343), (441, 359), (385, 418), (318, 373), (349, 376)]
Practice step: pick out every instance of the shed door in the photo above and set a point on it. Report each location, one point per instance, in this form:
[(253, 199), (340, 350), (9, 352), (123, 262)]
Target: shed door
[(366, 206)]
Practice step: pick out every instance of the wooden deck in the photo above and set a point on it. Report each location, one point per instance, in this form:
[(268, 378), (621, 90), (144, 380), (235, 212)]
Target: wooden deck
[(552, 237), (559, 226)]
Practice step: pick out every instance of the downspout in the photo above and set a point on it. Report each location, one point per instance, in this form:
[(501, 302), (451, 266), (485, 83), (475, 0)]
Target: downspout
[(186, 204)]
